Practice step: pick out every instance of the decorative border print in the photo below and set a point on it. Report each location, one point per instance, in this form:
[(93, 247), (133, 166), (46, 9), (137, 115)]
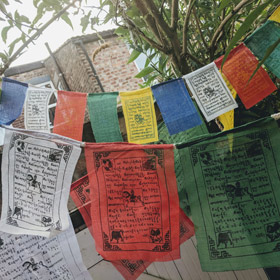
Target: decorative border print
[(210, 91)]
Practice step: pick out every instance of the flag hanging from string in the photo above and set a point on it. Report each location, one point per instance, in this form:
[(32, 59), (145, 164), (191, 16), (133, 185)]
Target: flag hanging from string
[(140, 117), (276, 15), (235, 196), (69, 114), (238, 68), (103, 116), (176, 106)]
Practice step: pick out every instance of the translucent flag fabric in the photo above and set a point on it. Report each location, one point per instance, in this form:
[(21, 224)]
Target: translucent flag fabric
[(103, 116), (37, 169), (261, 40), (140, 117), (176, 106), (69, 114), (276, 15), (238, 68), (12, 100), (235, 196), (130, 269), (134, 200), (210, 91)]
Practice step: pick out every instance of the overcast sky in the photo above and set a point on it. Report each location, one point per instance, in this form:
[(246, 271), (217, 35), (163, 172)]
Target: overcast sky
[(56, 34)]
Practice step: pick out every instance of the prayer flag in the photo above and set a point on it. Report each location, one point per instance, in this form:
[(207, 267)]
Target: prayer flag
[(238, 69), (227, 119), (29, 257), (103, 116), (36, 113), (261, 40), (210, 91), (12, 100), (176, 106), (37, 169), (69, 114), (235, 196), (140, 117), (134, 200), (276, 15)]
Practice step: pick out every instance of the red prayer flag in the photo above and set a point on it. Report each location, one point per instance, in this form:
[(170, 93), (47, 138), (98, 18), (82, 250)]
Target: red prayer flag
[(238, 68), (69, 114), (130, 269), (134, 200)]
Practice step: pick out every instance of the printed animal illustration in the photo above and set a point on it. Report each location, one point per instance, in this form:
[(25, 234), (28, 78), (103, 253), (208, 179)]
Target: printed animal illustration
[(131, 197), (155, 235), (149, 164), (35, 110), (46, 221), (139, 119), (31, 265), (273, 231), (18, 212), (107, 164), (237, 191), (20, 146), (224, 238), (117, 234), (206, 158), (1, 243), (209, 92), (32, 182), (55, 156)]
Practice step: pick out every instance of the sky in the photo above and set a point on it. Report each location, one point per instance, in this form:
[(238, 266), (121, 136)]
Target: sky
[(55, 35)]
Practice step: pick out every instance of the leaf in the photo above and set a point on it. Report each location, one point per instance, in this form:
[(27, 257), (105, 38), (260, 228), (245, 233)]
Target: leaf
[(24, 19), (35, 3), (12, 45), (39, 15), (67, 20), (244, 28), (146, 71), (268, 52), (6, 2), (85, 21), (223, 4), (134, 54), (121, 31), (4, 33), (3, 56)]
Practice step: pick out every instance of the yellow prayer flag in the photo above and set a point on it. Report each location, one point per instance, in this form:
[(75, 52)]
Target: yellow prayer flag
[(276, 15), (227, 119), (139, 115)]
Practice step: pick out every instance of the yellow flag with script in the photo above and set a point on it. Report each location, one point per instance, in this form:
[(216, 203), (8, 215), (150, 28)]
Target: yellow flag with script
[(276, 15), (139, 115)]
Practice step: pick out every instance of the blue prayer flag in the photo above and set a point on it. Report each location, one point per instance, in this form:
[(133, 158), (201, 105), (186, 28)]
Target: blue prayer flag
[(13, 97), (176, 106)]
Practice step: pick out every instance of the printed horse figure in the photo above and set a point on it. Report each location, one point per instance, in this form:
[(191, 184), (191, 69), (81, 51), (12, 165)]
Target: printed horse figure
[(32, 182), (131, 197), (237, 191)]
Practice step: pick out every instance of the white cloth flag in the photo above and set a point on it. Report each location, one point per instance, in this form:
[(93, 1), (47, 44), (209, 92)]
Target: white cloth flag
[(28, 257), (37, 170), (210, 91), (36, 114)]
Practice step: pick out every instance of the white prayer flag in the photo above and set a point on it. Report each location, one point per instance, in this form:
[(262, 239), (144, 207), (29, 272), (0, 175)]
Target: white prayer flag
[(37, 170), (210, 91)]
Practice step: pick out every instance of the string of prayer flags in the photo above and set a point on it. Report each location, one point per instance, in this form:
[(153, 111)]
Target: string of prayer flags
[(210, 91), (235, 196), (12, 100), (103, 116), (261, 40), (181, 176), (36, 114), (176, 106), (130, 269), (37, 169), (34, 257), (69, 114), (238, 68), (227, 119), (276, 15), (134, 214), (140, 117)]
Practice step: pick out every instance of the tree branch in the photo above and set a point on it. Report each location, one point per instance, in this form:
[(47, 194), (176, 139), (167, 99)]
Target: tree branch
[(174, 15), (34, 36), (199, 29)]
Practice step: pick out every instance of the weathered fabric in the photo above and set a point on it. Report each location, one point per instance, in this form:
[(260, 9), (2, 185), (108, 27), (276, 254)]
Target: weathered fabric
[(139, 115), (69, 114), (176, 106), (134, 200), (210, 91), (261, 40), (103, 116), (238, 69), (37, 169), (12, 100), (235, 196), (276, 15)]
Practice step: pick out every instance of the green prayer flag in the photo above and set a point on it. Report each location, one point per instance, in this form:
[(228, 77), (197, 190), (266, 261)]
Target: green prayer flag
[(261, 40), (165, 137), (103, 116), (234, 194)]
